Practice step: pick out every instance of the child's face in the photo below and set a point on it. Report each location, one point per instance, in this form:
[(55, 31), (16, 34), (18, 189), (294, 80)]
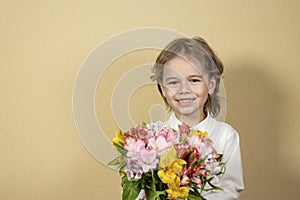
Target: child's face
[(185, 88)]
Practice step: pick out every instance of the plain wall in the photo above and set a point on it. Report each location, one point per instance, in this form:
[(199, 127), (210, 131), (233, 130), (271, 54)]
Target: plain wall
[(43, 44)]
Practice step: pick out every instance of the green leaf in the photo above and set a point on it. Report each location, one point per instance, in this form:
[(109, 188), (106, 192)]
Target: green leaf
[(144, 124), (114, 162), (131, 189), (152, 186), (195, 197), (118, 160), (122, 165), (153, 195), (213, 187), (203, 179), (124, 180), (194, 194), (120, 149)]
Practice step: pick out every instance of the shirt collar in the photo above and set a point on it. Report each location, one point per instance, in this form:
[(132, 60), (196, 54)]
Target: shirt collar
[(173, 122)]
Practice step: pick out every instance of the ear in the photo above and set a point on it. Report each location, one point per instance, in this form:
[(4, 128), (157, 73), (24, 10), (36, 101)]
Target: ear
[(211, 85)]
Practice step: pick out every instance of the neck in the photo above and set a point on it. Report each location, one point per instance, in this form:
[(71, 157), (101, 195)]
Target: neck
[(191, 120)]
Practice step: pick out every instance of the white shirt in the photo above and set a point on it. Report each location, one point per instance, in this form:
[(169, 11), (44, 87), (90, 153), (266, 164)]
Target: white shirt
[(226, 141)]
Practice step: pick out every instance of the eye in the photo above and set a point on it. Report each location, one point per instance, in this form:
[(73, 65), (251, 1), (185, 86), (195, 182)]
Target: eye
[(173, 82), (195, 80)]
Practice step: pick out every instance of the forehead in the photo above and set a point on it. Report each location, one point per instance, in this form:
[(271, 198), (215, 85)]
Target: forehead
[(182, 68)]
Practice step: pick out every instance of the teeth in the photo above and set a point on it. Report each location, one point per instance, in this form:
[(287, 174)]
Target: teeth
[(185, 100)]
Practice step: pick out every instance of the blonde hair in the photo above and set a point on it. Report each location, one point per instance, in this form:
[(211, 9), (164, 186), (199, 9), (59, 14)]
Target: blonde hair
[(197, 51)]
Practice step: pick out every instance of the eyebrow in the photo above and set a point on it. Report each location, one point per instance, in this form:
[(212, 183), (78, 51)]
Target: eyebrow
[(191, 76), (170, 78), (198, 76)]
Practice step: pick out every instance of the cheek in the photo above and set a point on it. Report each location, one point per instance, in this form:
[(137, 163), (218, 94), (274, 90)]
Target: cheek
[(201, 91), (169, 94)]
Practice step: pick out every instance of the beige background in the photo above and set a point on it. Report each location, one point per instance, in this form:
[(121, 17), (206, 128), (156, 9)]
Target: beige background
[(43, 44)]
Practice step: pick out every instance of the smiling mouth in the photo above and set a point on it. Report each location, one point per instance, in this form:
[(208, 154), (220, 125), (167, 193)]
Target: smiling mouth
[(185, 101)]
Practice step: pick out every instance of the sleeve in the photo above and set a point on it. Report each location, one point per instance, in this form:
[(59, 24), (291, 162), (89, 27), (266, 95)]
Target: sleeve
[(232, 180)]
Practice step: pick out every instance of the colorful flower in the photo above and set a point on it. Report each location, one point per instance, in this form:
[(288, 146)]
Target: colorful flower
[(165, 162), (119, 138), (175, 191)]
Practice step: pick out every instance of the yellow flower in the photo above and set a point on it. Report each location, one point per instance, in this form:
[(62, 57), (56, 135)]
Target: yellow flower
[(169, 173), (119, 138), (171, 166), (181, 193), (176, 166), (166, 175), (167, 158), (198, 133), (175, 191)]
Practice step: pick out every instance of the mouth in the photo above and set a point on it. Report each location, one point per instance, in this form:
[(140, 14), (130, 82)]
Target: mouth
[(185, 101)]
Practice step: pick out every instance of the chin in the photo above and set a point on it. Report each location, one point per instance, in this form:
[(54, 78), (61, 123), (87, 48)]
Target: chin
[(187, 111)]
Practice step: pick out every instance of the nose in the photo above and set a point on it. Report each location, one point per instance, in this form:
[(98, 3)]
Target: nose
[(185, 87)]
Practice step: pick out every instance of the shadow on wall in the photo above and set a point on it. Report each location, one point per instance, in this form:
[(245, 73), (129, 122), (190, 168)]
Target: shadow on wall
[(255, 108)]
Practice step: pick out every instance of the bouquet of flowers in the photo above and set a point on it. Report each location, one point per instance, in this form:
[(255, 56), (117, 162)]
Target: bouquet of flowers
[(166, 163)]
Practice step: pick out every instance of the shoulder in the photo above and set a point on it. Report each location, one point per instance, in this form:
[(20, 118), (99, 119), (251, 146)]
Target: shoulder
[(224, 128), (223, 134)]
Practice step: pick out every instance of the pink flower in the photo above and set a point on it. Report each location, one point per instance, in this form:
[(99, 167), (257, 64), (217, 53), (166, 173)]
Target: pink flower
[(195, 141), (133, 169), (134, 147), (139, 159), (172, 136), (197, 180), (185, 180), (129, 139), (154, 127), (159, 144), (184, 129), (148, 160)]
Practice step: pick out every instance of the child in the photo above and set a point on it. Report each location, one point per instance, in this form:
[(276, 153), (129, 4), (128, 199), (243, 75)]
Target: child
[(188, 75)]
